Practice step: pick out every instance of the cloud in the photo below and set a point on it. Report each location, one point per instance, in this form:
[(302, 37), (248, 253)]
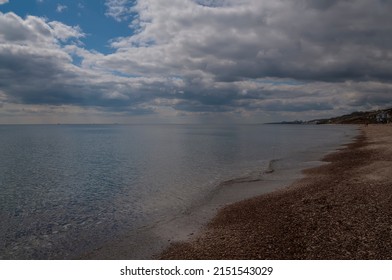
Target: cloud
[(207, 43), (305, 40), (245, 57), (36, 68), (3, 2), (34, 31), (61, 8), (119, 10), (64, 32)]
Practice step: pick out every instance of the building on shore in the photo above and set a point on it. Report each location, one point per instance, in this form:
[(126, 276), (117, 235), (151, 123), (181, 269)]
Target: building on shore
[(383, 117)]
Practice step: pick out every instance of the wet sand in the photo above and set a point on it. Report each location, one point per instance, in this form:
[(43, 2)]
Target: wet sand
[(340, 210)]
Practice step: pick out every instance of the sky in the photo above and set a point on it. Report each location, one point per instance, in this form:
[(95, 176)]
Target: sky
[(192, 61)]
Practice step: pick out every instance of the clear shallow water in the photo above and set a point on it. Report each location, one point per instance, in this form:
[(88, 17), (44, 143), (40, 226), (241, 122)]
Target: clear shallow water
[(66, 189)]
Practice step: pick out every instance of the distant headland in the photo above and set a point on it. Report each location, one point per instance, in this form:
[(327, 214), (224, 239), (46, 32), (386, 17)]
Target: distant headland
[(369, 117)]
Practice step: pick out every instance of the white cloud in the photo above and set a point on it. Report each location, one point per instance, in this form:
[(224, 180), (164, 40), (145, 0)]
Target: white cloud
[(32, 30), (61, 8), (3, 2), (119, 10), (64, 32), (35, 31)]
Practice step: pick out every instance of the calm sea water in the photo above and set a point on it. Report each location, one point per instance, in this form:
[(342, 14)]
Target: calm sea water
[(66, 189)]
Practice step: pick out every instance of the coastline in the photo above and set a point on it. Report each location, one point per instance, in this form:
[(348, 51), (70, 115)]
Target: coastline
[(339, 210), (150, 241)]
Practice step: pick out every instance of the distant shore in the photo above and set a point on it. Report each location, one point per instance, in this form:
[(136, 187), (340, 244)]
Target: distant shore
[(340, 210)]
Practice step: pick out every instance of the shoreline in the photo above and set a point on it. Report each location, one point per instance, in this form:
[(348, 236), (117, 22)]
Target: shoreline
[(149, 242), (339, 210), (185, 226)]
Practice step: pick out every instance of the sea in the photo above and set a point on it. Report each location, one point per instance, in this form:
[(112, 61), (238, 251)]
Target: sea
[(66, 190)]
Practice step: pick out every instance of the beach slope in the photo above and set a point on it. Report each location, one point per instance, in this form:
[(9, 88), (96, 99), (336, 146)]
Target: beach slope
[(340, 210)]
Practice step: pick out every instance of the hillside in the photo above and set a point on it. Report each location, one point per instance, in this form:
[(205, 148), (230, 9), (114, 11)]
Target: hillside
[(379, 116)]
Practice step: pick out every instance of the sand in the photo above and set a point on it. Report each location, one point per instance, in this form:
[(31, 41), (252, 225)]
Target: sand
[(340, 210)]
